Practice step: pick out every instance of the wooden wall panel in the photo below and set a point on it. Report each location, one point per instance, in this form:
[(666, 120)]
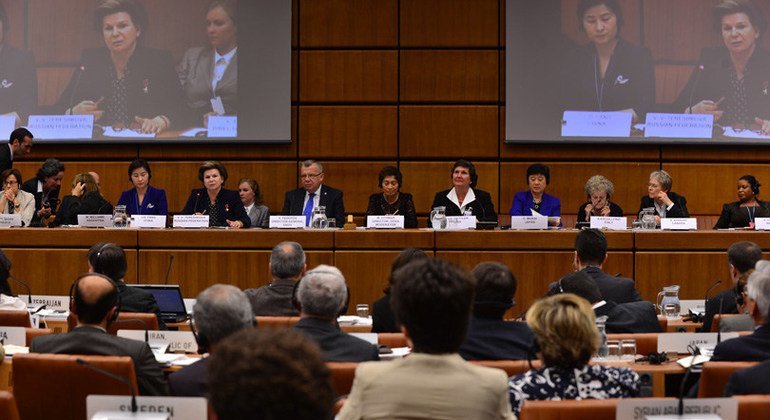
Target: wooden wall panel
[(348, 131), (427, 131), (366, 273), (51, 82), (670, 79), (449, 76), (176, 25), (678, 30), (424, 179), (695, 271), (631, 30), (357, 180), (716, 154), (449, 23), (575, 152), (14, 10), (348, 76), (345, 23), (58, 34)]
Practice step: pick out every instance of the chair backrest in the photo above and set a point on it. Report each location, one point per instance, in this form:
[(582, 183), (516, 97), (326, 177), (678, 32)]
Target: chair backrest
[(276, 322), (8, 410), (125, 321), (36, 332), (717, 320), (570, 409), (355, 328), (392, 340), (59, 326), (56, 386), (753, 406), (646, 343), (15, 318), (715, 375), (511, 367), (6, 377), (342, 376)]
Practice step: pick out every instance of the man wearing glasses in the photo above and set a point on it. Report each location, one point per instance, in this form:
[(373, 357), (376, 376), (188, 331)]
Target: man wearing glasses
[(312, 194), (20, 144)]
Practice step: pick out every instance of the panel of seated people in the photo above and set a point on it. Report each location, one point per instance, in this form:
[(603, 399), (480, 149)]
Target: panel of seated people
[(694, 272)]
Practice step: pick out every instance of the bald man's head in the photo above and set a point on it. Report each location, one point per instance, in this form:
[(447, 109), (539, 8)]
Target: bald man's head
[(96, 178), (95, 296)]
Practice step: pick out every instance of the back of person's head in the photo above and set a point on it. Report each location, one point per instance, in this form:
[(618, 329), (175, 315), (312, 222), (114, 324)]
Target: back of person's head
[(591, 246), (5, 272), (758, 290), (322, 292), (580, 284), (269, 374), (432, 299), (108, 259), (403, 258), (495, 290), (287, 260), (744, 255), (221, 310), (565, 330), (763, 266), (93, 296), (88, 180)]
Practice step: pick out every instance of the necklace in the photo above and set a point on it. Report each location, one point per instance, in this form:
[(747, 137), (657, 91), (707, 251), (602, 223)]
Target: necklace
[(598, 87), (751, 211)]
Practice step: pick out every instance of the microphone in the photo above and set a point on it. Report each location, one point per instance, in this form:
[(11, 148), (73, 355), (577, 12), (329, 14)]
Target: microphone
[(134, 321), (115, 376), (168, 270), (197, 199), (719, 330), (33, 308), (75, 86), (695, 85), (708, 291)]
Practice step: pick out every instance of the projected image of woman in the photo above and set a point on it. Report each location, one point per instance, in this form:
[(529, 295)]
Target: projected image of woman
[(608, 74), (124, 84), (18, 78), (732, 83), (209, 74)]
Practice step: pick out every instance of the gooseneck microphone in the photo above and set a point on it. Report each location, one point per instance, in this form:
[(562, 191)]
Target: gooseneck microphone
[(197, 199), (695, 85), (710, 288), (33, 308), (168, 270), (719, 330), (115, 376), (75, 86)]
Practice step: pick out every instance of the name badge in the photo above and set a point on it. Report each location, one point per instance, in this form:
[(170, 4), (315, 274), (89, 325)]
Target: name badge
[(668, 408), (287, 222), (762, 223), (678, 342), (460, 222), (686, 126), (385, 222), (103, 407), (609, 223), (7, 124), (596, 124), (680, 224), (220, 126), (178, 341), (148, 221), (529, 222), (191, 221), (50, 302), (16, 336), (61, 126), (95, 220), (10, 220)]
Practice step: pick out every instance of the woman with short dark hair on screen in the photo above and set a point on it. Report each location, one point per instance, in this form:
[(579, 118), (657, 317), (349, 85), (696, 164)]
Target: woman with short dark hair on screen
[(18, 75), (143, 198), (742, 213)]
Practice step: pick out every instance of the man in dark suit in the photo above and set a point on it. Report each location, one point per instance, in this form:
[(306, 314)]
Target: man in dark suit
[(590, 256), (45, 187), (749, 381), (287, 266), (20, 144), (754, 347), (322, 296), (313, 193), (489, 336), (219, 311), (95, 301)]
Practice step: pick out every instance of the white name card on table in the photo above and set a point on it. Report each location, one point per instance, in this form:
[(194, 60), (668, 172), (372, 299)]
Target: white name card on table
[(178, 341), (10, 220), (609, 223), (179, 408), (368, 337), (596, 124), (460, 222), (50, 302), (7, 125), (668, 408), (220, 126), (191, 221), (686, 126), (678, 342), (148, 221), (61, 126), (762, 223), (16, 336), (95, 220), (385, 222), (287, 222), (529, 222), (690, 223)]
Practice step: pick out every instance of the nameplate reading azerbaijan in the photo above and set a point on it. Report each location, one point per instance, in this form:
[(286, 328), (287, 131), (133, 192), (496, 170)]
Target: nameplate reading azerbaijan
[(61, 127), (10, 220), (287, 222), (105, 407), (679, 224), (596, 124), (529, 222), (195, 221), (95, 220), (385, 222)]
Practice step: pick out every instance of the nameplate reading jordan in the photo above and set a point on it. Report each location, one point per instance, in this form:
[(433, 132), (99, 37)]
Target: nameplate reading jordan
[(385, 222), (95, 220), (678, 342), (220, 126), (596, 124), (61, 126), (529, 222), (178, 341), (460, 222), (668, 408), (7, 124), (609, 223), (176, 408), (679, 224), (287, 222), (148, 221), (61, 303), (16, 336), (10, 220), (762, 223), (683, 126), (195, 221)]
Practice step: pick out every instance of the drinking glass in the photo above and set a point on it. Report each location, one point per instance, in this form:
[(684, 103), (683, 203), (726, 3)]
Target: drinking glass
[(613, 350), (362, 310), (628, 349)]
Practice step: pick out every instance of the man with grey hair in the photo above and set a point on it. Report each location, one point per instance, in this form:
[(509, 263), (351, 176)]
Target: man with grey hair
[(322, 296), (754, 347), (665, 202), (287, 265), (313, 193), (219, 311)]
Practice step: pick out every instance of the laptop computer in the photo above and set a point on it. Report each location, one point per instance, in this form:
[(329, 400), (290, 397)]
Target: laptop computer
[(170, 301)]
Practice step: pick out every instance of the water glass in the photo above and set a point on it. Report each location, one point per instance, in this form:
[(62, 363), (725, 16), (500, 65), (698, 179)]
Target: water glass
[(628, 349), (362, 310), (331, 223), (671, 311), (613, 350)]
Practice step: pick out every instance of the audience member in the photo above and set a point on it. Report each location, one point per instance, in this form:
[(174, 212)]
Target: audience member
[(287, 266), (590, 256), (383, 319), (754, 347), (741, 321), (749, 381), (313, 193), (45, 187)]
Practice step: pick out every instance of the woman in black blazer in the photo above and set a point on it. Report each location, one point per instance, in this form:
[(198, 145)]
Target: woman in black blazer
[(464, 198), (223, 206), (659, 196), (392, 201), (598, 190), (742, 213)]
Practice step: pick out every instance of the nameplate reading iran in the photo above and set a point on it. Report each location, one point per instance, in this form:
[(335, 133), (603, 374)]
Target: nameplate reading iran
[(668, 408), (95, 220), (690, 223), (678, 342), (10, 220), (529, 222), (385, 222), (148, 221), (609, 223), (685, 126), (50, 302), (287, 222), (762, 223), (7, 124), (460, 222), (16, 336), (596, 124), (223, 126), (62, 126), (179, 408), (191, 221), (178, 341)]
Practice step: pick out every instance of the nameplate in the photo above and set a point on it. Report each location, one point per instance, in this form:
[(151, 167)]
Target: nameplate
[(178, 341), (148, 221), (653, 408), (686, 126), (368, 337), (192, 408), (460, 222), (680, 224), (61, 126), (95, 220), (51, 302), (609, 223), (678, 342), (7, 125), (385, 222), (16, 336), (220, 126), (287, 222), (191, 221), (10, 220), (596, 124), (529, 222), (762, 223)]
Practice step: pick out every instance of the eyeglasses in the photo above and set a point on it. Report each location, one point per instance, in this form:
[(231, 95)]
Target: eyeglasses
[(310, 176), (6, 183)]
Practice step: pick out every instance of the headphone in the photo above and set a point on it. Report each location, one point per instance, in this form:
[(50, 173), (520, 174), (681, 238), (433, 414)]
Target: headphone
[(73, 289), (654, 358), (97, 265)]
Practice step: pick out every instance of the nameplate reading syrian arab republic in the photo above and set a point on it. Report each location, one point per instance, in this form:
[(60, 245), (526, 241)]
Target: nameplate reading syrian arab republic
[(529, 222), (50, 302), (679, 224), (678, 342), (668, 408), (220, 126), (7, 124), (148, 221), (460, 222), (385, 222), (762, 223), (684, 126), (176, 408), (16, 336), (95, 220), (178, 341), (609, 223), (596, 124), (191, 221), (51, 127), (287, 222), (10, 220)]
